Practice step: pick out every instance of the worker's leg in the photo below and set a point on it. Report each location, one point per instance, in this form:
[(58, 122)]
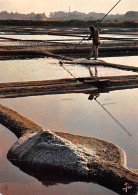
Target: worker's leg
[(91, 52), (96, 52)]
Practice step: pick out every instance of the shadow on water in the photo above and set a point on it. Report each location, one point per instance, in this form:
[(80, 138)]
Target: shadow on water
[(94, 96), (51, 177)]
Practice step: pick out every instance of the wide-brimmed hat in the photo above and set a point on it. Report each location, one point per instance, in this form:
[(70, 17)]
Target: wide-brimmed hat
[(91, 27)]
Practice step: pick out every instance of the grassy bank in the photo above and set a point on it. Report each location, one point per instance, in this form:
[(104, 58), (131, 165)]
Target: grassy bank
[(71, 23)]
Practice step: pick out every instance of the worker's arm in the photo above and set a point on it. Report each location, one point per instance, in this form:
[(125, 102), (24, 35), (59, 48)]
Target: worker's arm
[(90, 37), (98, 28)]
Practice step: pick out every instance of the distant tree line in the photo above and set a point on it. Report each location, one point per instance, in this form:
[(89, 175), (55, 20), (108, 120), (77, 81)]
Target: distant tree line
[(31, 16), (60, 15), (92, 15)]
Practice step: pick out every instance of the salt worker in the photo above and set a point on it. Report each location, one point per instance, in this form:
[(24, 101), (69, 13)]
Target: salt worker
[(94, 35)]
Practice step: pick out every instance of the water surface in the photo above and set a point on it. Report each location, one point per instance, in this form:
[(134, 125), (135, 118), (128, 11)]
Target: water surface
[(76, 114), (72, 113), (58, 37), (48, 68)]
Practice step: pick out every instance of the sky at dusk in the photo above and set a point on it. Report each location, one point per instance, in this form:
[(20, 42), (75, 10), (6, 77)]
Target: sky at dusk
[(86, 6)]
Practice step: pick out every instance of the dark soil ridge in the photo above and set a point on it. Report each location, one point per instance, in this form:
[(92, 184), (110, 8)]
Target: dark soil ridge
[(53, 50), (60, 86), (70, 23)]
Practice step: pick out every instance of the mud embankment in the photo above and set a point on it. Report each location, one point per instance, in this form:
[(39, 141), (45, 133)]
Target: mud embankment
[(63, 52), (70, 23), (62, 86)]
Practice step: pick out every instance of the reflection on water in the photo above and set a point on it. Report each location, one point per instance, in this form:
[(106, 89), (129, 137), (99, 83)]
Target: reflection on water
[(48, 68), (80, 115), (14, 181), (74, 113)]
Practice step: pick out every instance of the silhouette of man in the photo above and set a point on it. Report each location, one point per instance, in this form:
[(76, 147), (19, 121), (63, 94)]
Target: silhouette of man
[(94, 35)]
